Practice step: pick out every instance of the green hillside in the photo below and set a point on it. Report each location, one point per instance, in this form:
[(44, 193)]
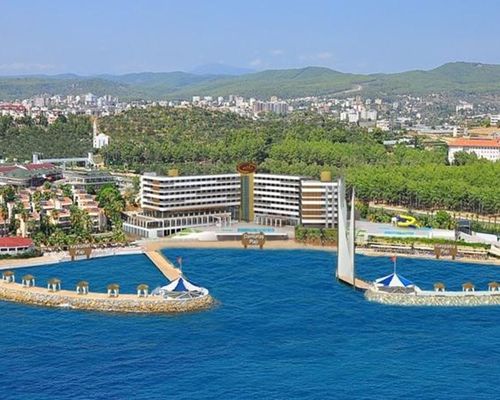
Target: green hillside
[(308, 81), (12, 88), (455, 78), (451, 78), (157, 85)]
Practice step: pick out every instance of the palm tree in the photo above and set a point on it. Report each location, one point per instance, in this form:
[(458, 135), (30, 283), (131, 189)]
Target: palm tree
[(4, 214)]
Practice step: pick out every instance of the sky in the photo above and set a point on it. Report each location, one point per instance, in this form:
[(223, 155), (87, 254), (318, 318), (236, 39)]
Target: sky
[(363, 36)]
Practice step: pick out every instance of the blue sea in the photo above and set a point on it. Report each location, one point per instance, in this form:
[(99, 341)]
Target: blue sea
[(283, 329)]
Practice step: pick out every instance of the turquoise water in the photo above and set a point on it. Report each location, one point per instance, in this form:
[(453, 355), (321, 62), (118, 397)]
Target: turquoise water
[(284, 329), (255, 230)]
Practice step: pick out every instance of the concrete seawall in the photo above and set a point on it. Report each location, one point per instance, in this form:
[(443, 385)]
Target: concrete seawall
[(449, 299), (124, 303)]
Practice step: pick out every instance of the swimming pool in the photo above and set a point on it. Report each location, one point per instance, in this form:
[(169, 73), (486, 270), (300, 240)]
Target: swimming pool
[(255, 230)]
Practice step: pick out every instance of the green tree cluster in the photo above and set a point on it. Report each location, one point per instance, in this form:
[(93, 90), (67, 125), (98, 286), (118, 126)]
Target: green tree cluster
[(323, 236), (112, 202), (22, 137)]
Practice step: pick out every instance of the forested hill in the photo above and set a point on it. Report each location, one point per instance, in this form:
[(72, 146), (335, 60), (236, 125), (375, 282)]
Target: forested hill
[(454, 78), (201, 141)]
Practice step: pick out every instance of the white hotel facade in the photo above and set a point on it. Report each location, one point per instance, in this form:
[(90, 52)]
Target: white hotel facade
[(173, 203), (488, 148)]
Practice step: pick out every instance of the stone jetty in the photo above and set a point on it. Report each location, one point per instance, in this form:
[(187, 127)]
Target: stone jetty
[(82, 299), (428, 298), (124, 303)]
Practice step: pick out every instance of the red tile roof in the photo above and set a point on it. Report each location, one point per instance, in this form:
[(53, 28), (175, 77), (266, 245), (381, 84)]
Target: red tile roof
[(7, 168), (32, 167), (15, 242), (475, 143)]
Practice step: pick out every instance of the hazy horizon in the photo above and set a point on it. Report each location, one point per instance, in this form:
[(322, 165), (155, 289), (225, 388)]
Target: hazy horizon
[(103, 74)]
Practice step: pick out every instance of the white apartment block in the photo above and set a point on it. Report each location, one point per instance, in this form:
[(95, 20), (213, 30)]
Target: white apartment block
[(483, 148)]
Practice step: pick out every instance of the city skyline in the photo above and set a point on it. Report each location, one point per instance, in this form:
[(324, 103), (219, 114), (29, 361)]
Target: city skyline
[(123, 37)]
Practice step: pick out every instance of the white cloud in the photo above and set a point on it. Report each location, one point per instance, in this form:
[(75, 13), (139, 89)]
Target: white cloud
[(324, 55), (256, 62), (277, 52)]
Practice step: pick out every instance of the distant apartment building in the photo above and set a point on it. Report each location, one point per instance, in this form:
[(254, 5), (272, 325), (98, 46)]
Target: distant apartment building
[(368, 114), (483, 148), (14, 110), (383, 125), (89, 204), (173, 203), (277, 107), (352, 116), (495, 120), (464, 106), (90, 99)]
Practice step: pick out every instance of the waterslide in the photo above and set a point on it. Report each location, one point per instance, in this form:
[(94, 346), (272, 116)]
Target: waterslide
[(407, 221)]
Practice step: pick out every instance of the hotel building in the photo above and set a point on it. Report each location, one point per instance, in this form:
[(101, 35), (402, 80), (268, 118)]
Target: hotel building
[(488, 148), (173, 203)]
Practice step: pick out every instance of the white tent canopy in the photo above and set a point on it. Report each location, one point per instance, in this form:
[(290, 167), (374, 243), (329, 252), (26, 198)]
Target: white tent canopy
[(181, 284), (180, 289)]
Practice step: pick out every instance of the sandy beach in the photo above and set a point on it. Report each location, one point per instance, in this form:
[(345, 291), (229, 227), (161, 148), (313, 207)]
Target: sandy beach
[(159, 244), (57, 257), (291, 245), (274, 244)]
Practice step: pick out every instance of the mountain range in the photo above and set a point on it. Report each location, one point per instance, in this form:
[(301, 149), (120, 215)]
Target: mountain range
[(451, 78)]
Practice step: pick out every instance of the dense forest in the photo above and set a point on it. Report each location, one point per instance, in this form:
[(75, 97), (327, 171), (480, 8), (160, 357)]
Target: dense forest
[(20, 138), (202, 141)]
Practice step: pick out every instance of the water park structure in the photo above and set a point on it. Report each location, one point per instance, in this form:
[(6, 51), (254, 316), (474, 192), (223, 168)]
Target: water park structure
[(405, 221)]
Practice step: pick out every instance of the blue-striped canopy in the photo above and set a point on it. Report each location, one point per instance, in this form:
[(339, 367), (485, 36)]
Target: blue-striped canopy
[(394, 280)]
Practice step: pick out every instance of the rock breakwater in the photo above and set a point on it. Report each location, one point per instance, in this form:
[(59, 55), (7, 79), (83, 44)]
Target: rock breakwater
[(124, 303), (448, 299)]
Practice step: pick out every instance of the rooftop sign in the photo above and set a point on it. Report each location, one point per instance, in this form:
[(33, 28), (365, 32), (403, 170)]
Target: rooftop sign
[(246, 168)]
